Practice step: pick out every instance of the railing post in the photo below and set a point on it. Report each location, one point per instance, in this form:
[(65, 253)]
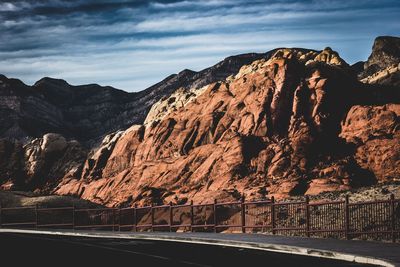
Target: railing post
[(152, 216), (119, 219), (135, 217), (215, 215), (1, 216), (191, 216), (243, 214), (171, 217), (393, 219), (273, 214), (113, 219), (307, 216), (347, 217), (73, 216), (36, 216)]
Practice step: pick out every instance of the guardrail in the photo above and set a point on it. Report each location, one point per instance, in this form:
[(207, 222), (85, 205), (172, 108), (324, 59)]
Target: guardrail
[(379, 220)]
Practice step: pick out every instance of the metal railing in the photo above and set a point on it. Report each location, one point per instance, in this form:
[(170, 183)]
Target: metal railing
[(378, 220)]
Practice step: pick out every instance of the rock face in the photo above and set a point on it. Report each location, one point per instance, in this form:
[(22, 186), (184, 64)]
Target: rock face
[(175, 101), (383, 65), (41, 163), (11, 164), (275, 128), (97, 159), (385, 53), (287, 122), (87, 114), (375, 133)]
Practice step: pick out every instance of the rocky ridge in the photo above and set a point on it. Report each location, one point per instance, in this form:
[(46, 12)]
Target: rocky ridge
[(383, 65), (82, 116), (274, 128), (87, 113), (288, 122)]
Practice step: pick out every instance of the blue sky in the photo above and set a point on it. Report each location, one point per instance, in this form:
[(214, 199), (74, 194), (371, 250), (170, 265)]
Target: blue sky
[(133, 44)]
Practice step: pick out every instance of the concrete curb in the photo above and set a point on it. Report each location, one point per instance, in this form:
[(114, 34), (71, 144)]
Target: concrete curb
[(311, 252)]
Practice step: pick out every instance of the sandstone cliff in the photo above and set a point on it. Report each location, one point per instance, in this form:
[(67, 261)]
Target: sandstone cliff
[(282, 126), (81, 116), (288, 122)]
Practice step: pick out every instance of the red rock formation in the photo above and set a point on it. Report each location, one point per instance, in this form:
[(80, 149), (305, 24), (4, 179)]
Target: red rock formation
[(294, 122), (273, 129), (375, 132)]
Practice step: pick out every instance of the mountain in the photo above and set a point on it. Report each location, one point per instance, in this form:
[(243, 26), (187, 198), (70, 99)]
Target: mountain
[(298, 122), (382, 66), (287, 122), (88, 112), (77, 118)]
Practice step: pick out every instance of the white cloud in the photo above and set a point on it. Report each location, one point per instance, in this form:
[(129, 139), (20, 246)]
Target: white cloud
[(203, 3), (8, 7)]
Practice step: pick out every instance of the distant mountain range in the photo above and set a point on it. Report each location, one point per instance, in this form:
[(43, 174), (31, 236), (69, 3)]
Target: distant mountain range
[(286, 122), (88, 112)]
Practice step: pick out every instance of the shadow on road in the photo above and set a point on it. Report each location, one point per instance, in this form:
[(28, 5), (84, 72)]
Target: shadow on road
[(42, 250)]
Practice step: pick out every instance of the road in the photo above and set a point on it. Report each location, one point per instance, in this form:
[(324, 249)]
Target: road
[(46, 250)]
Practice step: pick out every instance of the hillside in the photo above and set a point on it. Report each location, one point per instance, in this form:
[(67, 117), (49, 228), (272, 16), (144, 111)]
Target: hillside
[(285, 123)]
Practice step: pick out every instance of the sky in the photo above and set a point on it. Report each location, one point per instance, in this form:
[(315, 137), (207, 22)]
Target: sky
[(132, 44)]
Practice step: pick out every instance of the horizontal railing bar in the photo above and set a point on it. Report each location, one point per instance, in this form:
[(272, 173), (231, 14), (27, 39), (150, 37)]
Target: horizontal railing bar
[(228, 225), (180, 225), (326, 230), (20, 208), (52, 209), (370, 202), (161, 207), (55, 224), (228, 203), (257, 226), (290, 203), (258, 202), (22, 223), (142, 208), (143, 225), (203, 205), (103, 209), (94, 225), (181, 206), (129, 208), (325, 203), (374, 232), (289, 229), (203, 225)]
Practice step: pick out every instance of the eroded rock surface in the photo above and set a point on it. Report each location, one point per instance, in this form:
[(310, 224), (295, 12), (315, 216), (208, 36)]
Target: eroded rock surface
[(375, 133), (289, 122), (275, 128), (41, 163)]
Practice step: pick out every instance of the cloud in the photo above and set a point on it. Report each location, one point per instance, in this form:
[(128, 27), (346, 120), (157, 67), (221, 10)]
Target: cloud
[(132, 44), (7, 7)]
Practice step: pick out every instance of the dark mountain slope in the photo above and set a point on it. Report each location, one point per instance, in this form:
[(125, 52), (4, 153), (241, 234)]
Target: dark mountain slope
[(88, 112)]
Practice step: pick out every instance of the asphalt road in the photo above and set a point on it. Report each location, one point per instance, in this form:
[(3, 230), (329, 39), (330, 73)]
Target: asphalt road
[(45, 250)]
